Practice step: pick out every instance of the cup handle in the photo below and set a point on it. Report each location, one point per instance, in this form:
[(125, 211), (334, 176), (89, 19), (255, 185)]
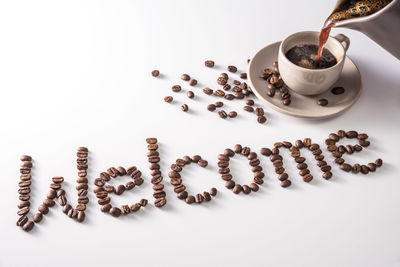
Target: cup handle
[(344, 40)]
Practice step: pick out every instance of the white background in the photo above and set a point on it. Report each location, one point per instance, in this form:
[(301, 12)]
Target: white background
[(77, 73)]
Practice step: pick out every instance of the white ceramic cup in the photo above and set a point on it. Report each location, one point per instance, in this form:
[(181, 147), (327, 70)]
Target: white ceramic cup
[(311, 81)]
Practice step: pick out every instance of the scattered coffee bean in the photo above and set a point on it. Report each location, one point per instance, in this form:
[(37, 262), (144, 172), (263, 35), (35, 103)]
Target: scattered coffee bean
[(211, 107), (209, 63), (185, 77), (248, 108), (190, 94), (176, 88), (232, 69), (243, 75), (222, 114), (185, 107), (155, 73), (232, 114), (193, 82), (337, 90), (208, 91)]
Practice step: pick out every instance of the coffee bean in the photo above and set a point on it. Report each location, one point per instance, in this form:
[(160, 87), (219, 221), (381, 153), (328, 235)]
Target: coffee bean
[(185, 107), (336, 154), (155, 73), (208, 91), (219, 104), (222, 114), (81, 216), (190, 94), (286, 183), (322, 102), (337, 90), (224, 75), (351, 134), (362, 136), (266, 151), (378, 162), (62, 200), (43, 209), (232, 114), (143, 202), (213, 191), (232, 69), (229, 184), (177, 189), (106, 207), (259, 112), (159, 202), (24, 204), (115, 212), (190, 199), (49, 202), (211, 107), (176, 88), (221, 81), (25, 158), (364, 143), (155, 180), (135, 207), (209, 63), (229, 97), (239, 95), (185, 77), (243, 75), (22, 220), (182, 195), (26, 164), (229, 152), (327, 175), (364, 169), (28, 226), (193, 82), (283, 176), (339, 160), (334, 137), (237, 189), (346, 167), (104, 201), (168, 99), (261, 119), (226, 87), (372, 167)]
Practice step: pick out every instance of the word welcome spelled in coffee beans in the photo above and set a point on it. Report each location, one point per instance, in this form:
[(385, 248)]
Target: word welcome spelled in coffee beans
[(237, 90), (103, 190)]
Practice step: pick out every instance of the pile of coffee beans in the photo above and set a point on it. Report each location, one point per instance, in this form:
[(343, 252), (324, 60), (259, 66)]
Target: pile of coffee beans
[(102, 190), (154, 158), (254, 162), (238, 91), (275, 82), (24, 196), (82, 187), (180, 188), (338, 151)]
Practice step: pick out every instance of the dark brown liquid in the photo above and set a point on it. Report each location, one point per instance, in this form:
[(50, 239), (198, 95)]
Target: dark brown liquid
[(306, 56), (348, 9)]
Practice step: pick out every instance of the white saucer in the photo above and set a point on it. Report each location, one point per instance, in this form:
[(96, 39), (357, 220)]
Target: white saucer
[(305, 106)]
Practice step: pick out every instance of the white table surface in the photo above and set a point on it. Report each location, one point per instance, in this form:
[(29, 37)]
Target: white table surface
[(77, 73)]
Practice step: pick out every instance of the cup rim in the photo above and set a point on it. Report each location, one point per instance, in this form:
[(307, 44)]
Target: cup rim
[(312, 70)]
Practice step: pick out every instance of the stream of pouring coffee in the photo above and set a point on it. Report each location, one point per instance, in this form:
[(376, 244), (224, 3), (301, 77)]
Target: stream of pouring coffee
[(348, 9)]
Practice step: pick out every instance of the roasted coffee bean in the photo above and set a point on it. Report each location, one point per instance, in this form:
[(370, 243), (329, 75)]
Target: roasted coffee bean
[(237, 189), (229, 184), (259, 112), (28, 226), (190, 94), (81, 207), (224, 170), (266, 151), (237, 148), (121, 171), (24, 190), (252, 155), (67, 208), (25, 177), (356, 168), (317, 152), (115, 212), (185, 107), (105, 176), (206, 196), (378, 162), (283, 176), (256, 168), (154, 166), (322, 102), (332, 148), (176, 181), (226, 87), (143, 202), (211, 107), (243, 75), (229, 97), (182, 195), (327, 175), (22, 220), (336, 154), (136, 174), (120, 189), (307, 178), (199, 198), (254, 162), (239, 95), (62, 200), (24, 184), (155, 73), (23, 211), (208, 91), (321, 163), (224, 75), (232, 69), (193, 82), (24, 197), (334, 137), (222, 114), (49, 202), (246, 151), (271, 92), (125, 209), (339, 160), (213, 191), (24, 204), (349, 149), (83, 200), (185, 77), (254, 187), (26, 164), (329, 142), (190, 199), (287, 101), (209, 63), (221, 81), (81, 216), (226, 177), (364, 143), (337, 90), (319, 157), (135, 207), (286, 183), (154, 159), (168, 99), (346, 167), (275, 157), (304, 172), (258, 180), (362, 136), (246, 189), (176, 88), (259, 174), (159, 202), (82, 180), (223, 164), (220, 93), (364, 169), (98, 189), (232, 114), (106, 207), (104, 201), (177, 189), (99, 182), (341, 149), (43, 209), (279, 170), (25, 158), (372, 167), (81, 186), (351, 134), (299, 159)]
